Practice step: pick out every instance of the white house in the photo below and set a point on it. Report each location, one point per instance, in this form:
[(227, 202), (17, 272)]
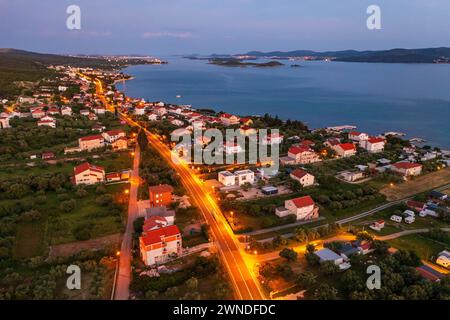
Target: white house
[(358, 136), (227, 178), (87, 173), (112, 135), (66, 111), (244, 176), (229, 119), (373, 144), (273, 138), (443, 259), (152, 117), (344, 150), (47, 121), (157, 246), (407, 168), (304, 178), (304, 208), (4, 123)]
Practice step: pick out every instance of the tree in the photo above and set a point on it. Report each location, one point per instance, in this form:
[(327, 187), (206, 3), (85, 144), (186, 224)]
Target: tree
[(329, 268), (310, 248), (325, 292), (306, 279), (288, 254), (192, 283), (352, 281), (364, 235)]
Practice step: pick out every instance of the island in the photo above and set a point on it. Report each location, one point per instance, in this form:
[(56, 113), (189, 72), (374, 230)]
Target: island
[(231, 62)]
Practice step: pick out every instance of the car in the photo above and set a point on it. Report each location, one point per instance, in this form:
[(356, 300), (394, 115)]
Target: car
[(409, 219)]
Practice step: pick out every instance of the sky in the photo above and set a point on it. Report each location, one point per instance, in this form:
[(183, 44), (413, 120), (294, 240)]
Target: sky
[(166, 27)]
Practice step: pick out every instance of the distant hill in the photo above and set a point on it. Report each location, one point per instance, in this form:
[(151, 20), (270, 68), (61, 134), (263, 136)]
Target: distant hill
[(20, 65), (427, 55)]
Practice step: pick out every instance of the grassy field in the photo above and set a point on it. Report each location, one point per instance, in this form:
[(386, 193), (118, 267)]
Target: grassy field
[(417, 185), (425, 248)]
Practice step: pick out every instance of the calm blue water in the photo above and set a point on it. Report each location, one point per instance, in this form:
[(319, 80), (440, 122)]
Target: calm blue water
[(410, 98)]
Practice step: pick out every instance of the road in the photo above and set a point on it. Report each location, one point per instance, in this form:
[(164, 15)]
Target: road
[(245, 284), (124, 275)]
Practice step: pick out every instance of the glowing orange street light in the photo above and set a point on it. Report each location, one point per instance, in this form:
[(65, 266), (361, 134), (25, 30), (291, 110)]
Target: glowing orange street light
[(391, 184), (232, 213), (126, 191), (255, 252), (117, 253), (132, 154)]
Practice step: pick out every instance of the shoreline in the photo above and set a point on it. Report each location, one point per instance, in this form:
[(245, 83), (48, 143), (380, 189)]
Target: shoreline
[(407, 137)]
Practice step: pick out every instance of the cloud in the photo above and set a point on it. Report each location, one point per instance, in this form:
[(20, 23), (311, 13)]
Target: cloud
[(168, 34)]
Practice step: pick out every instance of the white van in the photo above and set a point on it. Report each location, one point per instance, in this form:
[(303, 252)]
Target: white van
[(409, 219), (396, 218)]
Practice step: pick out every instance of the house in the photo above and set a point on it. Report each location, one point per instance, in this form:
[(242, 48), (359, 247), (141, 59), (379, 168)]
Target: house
[(300, 155), (89, 143), (47, 122), (98, 127), (443, 259), (358, 136), (157, 246), (139, 110), (332, 142), (120, 144), (373, 144), (92, 116), (244, 176), (62, 88), (352, 176), (152, 117), (160, 111), (87, 173), (4, 123), (48, 155), (269, 190), (153, 223), (304, 208), (113, 176), (327, 255), (112, 135), (178, 133), (53, 111), (66, 111), (99, 110), (227, 178), (407, 168), (37, 113), (273, 138), (167, 214), (176, 122), (246, 121), (304, 178), (246, 130), (416, 205), (232, 147), (377, 225), (344, 150), (85, 112), (160, 195), (229, 119)]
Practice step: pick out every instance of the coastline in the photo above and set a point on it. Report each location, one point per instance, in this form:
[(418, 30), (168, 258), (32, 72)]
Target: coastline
[(337, 111)]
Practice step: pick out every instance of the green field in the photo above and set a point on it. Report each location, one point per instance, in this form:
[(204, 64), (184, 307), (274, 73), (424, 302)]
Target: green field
[(424, 247)]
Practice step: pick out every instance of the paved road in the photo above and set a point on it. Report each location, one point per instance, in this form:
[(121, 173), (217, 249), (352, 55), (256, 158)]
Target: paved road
[(405, 233), (124, 275)]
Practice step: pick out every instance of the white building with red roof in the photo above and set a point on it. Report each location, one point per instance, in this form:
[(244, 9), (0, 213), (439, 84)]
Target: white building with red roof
[(358, 136), (272, 138), (229, 119), (87, 173), (37, 113), (300, 155), (407, 168), (47, 121), (112, 135), (304, 178), (373, 144), (4, 123), (304, 208), (157, 246), (89, 143), (66, 111), (344, 150)]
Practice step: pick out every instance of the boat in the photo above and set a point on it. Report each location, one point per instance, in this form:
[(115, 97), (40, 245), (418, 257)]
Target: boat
[(178, 96)]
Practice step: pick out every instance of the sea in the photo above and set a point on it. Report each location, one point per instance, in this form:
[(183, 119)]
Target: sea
[(374, 97)]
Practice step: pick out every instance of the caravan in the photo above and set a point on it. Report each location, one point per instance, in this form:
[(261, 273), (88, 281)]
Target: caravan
[(396, 218)]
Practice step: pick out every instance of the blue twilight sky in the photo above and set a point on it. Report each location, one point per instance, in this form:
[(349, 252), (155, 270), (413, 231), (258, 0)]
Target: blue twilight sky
[(220, 26)]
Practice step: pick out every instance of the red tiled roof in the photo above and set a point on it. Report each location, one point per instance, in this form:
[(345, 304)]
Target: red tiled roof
[(154, 236), (415, 204), (299, 173), (375, 140), (161, 188), (307, 143), (301, 202), (112, 175), (354, 133), (347, 146), (406, 165), (155, 221), (87, 166), (93, 137), (226, 115), (115, 132), (297, 150)]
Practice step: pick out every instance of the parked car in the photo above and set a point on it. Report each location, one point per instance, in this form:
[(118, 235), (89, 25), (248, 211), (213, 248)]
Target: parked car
[(396, 218)]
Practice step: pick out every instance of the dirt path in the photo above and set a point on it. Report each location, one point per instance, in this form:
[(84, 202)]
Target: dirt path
[(419, 184), (69, 249)]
